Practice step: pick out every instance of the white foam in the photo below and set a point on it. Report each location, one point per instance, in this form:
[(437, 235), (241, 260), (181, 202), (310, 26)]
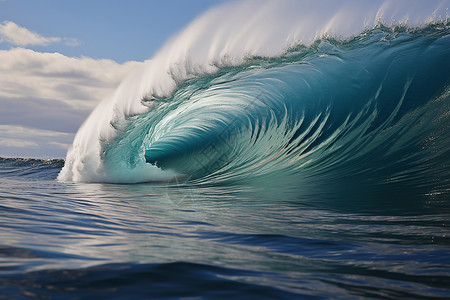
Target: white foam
[(223, 36)]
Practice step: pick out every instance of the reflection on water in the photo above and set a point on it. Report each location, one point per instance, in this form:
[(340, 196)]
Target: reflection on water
[(298, 242)]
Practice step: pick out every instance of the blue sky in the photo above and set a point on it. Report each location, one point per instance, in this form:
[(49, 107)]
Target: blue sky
[(59, 59), (120, 30)]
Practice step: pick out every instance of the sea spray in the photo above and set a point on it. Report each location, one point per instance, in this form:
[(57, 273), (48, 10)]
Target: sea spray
[(296, 87)]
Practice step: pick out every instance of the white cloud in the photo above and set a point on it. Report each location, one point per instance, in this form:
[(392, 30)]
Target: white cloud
[(78, 82), (17, 35), (24, 132), (17, 143), (12, 33), (71, 42), (44, 97), (16, 139), (64, 146)]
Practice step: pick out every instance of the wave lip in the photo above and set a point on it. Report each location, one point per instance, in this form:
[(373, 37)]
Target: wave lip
[(340, 89)]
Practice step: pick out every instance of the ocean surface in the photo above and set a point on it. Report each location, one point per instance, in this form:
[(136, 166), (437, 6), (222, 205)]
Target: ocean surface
[(233, 165), (170, 241)]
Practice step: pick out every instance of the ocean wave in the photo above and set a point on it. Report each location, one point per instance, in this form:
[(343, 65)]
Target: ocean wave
[(30, 168), (358, 92)]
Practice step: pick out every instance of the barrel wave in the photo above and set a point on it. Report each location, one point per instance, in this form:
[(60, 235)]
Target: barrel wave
[(355, 95)]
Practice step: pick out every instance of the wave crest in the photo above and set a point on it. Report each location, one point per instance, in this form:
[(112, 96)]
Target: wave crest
[(218, 103)]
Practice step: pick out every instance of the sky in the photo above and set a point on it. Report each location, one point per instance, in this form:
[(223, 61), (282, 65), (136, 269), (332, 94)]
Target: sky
[(59, 59)]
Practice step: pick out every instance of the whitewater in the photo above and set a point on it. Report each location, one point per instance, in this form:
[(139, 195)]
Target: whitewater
[(281, 88)]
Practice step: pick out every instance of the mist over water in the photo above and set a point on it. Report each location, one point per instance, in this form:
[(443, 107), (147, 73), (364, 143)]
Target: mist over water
[(271, 150)]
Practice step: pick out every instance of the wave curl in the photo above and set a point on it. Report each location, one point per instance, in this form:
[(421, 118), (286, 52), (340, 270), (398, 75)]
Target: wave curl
[(366, 99)]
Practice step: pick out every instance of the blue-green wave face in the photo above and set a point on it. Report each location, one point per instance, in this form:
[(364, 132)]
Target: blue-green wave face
[(369, 111), (356, 106)]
